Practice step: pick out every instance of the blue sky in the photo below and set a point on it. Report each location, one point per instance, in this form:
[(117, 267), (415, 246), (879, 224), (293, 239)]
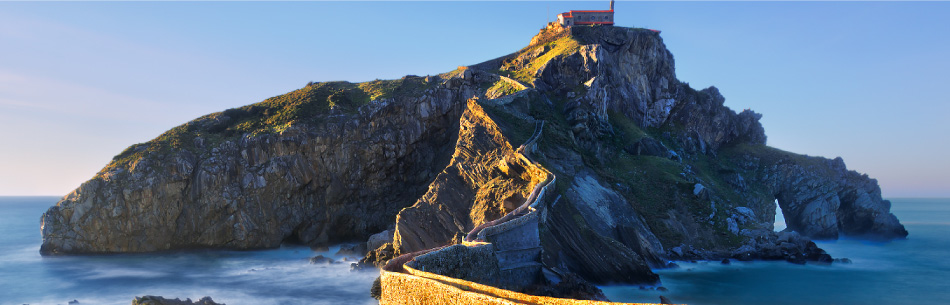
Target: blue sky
[(79, 82)]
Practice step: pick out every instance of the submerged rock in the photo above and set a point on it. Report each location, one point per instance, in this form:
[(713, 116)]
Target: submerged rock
[(322, 260)]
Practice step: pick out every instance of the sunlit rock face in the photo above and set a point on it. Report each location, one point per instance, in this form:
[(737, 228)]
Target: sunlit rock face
[(484, 174)]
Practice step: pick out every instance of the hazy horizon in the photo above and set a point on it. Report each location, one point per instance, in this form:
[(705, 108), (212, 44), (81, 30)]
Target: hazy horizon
[(80, 82)]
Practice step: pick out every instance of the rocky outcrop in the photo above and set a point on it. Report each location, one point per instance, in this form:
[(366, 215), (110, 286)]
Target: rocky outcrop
[(379, 239), (822, 199), (342, 178), (572, 245), (485, 180), (708, 123), (626, 70), (156, 300), (630, 72)]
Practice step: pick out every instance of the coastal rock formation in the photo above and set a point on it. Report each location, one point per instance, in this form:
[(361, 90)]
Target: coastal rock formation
[(649, 169), (339, 177), (822, 199)]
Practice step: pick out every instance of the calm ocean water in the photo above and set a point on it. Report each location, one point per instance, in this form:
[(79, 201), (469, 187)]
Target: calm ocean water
[(280, 276), (912, 271)]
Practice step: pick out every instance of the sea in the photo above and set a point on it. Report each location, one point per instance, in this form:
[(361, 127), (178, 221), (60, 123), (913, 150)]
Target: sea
[(911, 271), (278, 276)]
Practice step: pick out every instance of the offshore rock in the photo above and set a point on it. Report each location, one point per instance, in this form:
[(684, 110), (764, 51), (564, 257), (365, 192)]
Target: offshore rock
[(822, 199), (157, 300), (358, 249), (341, 178), (322, 260)]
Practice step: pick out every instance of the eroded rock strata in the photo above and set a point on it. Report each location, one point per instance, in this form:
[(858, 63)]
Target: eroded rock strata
[(649, 169), (484, 181)]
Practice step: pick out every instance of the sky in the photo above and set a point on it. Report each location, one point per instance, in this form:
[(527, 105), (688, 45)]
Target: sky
[(81, 81)]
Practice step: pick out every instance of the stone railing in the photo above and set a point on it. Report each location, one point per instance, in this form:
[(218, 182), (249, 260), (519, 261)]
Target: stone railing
[(419, 287)]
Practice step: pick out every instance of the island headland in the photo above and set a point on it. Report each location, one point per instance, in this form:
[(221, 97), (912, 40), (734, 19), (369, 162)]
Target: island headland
[(619, 168)]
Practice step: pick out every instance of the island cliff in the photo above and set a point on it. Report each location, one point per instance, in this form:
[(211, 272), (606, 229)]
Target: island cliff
[(649, 169)]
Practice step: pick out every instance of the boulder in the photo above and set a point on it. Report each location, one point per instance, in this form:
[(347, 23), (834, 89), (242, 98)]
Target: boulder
[(379, 239)]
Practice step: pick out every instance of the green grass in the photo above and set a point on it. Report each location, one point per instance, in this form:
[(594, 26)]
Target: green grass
[(525, 71), (502, 88), (625, 129), (769, 155)]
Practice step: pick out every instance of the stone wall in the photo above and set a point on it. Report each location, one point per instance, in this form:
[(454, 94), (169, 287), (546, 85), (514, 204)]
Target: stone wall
[(418, 287)]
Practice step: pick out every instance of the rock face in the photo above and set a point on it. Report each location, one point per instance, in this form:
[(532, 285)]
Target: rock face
[(709, 124), (627, 71), (485, 180), (822, 199), (569, 243), (343, 178)]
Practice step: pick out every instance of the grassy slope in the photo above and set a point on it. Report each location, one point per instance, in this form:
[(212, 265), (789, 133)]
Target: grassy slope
[(524, 68), (273, 115)]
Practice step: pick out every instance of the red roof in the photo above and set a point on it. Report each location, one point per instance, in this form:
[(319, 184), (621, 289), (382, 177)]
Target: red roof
[(571, 13), (607, 11)]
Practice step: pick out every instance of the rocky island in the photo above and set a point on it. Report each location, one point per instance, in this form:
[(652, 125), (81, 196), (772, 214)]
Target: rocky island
[(583, 144)]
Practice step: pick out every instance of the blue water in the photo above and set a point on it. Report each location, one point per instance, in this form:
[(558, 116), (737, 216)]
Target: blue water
[(911, 271), (280, 276)]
